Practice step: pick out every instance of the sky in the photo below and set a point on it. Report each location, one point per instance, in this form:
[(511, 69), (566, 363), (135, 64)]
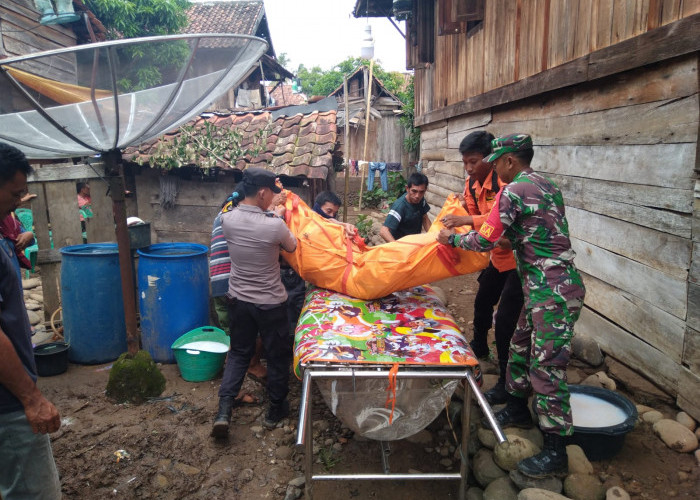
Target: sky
[(324, 33)]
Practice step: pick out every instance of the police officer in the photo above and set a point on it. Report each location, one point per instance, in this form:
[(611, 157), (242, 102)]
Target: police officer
[(257, 297)]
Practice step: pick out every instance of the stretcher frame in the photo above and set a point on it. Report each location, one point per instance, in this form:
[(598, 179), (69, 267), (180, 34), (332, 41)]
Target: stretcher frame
[(317, 370)]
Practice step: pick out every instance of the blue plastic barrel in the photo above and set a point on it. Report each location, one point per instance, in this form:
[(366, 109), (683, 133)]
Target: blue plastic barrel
[(93, 308), (173, 284)]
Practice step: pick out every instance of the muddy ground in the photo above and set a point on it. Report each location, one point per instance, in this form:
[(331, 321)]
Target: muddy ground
[(162, 449)]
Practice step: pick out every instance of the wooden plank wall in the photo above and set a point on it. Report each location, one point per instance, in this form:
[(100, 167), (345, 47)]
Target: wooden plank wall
[(523, 38), (624, 152), (56, 208), (22, 34)]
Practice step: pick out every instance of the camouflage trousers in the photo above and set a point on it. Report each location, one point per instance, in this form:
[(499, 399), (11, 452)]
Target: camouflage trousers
[(537, 361)]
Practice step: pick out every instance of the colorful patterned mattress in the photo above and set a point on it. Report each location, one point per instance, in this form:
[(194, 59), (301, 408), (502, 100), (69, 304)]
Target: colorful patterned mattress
[(410, 327)]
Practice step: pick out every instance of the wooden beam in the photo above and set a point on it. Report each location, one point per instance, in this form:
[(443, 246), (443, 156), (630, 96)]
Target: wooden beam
[(66, 171), (672, 40)]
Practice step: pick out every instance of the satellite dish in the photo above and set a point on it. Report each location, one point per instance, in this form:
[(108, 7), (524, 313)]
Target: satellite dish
[(74, 101)]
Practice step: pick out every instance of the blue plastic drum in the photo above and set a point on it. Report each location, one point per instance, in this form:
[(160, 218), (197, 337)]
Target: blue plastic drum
[(173, 287), (93, 307)]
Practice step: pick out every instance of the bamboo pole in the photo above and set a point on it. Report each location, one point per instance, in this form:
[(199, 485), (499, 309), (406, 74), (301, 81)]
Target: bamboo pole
[(347, 149), (368, 92)]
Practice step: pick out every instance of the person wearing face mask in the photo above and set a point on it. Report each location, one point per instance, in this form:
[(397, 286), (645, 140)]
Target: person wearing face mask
[(326, 205)]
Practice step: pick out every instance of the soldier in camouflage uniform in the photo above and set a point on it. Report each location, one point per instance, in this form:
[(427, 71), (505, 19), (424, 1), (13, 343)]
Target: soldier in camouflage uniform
[(529, 212)]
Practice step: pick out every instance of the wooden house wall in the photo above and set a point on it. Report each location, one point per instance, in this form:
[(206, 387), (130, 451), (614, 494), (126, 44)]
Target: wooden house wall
[(196, 206), (22, 34), (384, 140), (521, 39), (624, 150)]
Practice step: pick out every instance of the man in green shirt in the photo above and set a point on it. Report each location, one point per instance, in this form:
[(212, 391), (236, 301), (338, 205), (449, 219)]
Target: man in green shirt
[(409, 213)]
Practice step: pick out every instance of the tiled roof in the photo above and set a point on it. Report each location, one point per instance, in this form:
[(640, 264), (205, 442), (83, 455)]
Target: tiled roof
[(294, 145), (242, 17), (283, 95)]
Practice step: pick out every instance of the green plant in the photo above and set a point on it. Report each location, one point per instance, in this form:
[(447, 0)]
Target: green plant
[(363, 225), (396, 187), (205, 146), (327, 458), (412, 140)]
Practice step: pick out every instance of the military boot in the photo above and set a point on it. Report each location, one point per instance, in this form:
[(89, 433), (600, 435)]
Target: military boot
[(551, 461), (515, 414), (223, 417)]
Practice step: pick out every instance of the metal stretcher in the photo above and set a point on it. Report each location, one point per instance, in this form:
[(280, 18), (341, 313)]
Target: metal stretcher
[(408, 335)]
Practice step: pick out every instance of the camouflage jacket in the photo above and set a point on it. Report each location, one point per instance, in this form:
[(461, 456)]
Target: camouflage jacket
[(530, 213)]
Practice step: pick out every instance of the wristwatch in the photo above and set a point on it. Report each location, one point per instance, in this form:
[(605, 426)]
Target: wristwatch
[(451, 240)]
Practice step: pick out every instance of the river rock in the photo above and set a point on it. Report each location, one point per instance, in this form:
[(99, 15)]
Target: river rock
[(616, 493), (585, 348), (31, 283), (697, 456), (583, 487), (501, 489), (533, 434), (508, 453), (653, 416), (600, 379), (642, 409), (684, 419), (523, 482), (539, 494), (487, 438), (676, 436), (475, 493), (697, 433), (37, 297), (573, 376), (578, 462), (485, 469)]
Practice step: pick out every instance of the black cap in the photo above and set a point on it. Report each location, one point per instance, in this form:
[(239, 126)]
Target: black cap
[(261, 178)]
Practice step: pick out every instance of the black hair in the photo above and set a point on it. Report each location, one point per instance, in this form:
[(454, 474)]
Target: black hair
[(477, 142), (80, 185), (12, 160), (417, 179), (326, 197), (525, 156), (235, 197)]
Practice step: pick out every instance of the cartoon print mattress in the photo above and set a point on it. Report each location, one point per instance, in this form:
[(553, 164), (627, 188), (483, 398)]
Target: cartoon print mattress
[(410, 327)]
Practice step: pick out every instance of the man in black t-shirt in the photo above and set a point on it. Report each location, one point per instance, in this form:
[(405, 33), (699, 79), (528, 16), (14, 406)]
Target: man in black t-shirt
[(409, 213)]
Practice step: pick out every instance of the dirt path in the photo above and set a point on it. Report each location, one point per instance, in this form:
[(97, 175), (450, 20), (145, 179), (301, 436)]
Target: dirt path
[(166, 451)]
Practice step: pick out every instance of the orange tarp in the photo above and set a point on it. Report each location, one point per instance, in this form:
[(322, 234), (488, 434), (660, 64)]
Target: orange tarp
[(62, 93), (328, 259)]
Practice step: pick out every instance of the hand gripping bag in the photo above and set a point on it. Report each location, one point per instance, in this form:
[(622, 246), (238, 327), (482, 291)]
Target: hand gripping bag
[(328, 259)]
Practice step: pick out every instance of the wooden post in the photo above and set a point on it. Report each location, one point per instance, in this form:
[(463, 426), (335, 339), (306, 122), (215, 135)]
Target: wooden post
[(347, 149), (116, 190), (368, 93)]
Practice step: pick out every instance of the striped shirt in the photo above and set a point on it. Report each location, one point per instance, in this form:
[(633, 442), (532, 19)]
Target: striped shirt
[(219, 260)]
